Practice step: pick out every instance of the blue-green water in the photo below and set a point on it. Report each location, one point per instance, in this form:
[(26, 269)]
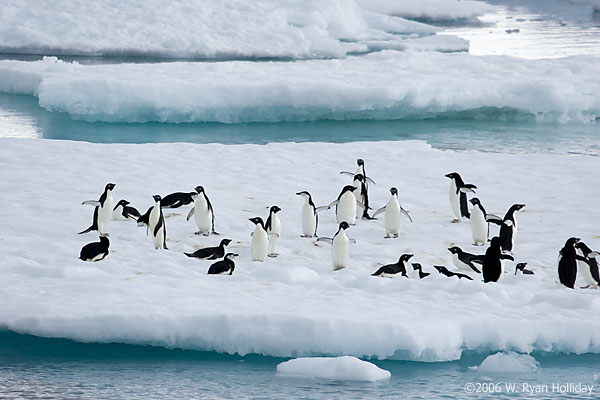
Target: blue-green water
[(35, 368)]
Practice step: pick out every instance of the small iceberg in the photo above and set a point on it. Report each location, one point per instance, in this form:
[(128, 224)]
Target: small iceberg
[(346, 368), (510, 362)]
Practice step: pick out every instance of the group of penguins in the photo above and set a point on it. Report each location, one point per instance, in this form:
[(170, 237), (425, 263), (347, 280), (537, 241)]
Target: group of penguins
[(352, 203)]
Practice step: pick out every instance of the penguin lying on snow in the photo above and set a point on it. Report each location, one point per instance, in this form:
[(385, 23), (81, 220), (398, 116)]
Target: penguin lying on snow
[(394, 270), (211, 253), (310, 217), (587, 264), (178, 199), (95, 251), (465, 261), (102, 211), (224, 267), (123, 212), (458, 196), (524, 271), (445, 271), (417, 267)]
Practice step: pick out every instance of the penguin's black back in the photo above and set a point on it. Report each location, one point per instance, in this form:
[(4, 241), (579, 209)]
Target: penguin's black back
[(492, 265), (208, 253), (567, 266), (222, 266), (177, 199), (94, 249)]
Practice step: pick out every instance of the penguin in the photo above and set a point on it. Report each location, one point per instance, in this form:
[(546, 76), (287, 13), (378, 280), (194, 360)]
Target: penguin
[(145, 219), (102, 211), (360, 170), (362, 196), (122, 212), (203, 211), (95, 251), (211, 253), (310, 217), (479, 222), (226, 266), (524, 271), (587, 264), (419, 268), (178, 199), (508, 228), (392, 214), (156, 223), (273, 227), (458, 196), (567, 263), (394, 270), (260, 240), (465, 261), (339, 247), (445, 271), (346, 204), (493, 262)]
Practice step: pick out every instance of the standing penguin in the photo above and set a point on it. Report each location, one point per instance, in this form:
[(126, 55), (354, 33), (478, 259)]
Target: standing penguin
[(346, 204), (479, 222), (493, 262), (123, 212), (394, 270), (95, 251), (508, 228), (360, 170), (567, 263), (224, 267), (156, 224), (458, 196), (392, 214), (102, 211), (310, 218), (260, 240), (587, 264), (203, 211), (362, 197), (273, 227), (340, 248)]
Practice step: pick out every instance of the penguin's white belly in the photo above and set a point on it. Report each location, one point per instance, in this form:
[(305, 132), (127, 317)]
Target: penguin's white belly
[(97, 257), (154, 216), (346, 209), (584, 269), (274, 234), (260, 244), (454, 200), (159, 238), (358, 198), (501, 271), (459, 264), (392, 218), (105, 213), (309, 221), (478, 226), (117, 214), (340, 251)]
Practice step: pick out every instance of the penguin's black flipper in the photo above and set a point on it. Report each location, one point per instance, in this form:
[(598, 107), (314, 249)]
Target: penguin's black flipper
[(94, 226)]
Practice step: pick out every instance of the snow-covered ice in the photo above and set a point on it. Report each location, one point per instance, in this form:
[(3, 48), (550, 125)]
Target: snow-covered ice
[(346, 368), (508, 362), (294, 305), (383, 85)]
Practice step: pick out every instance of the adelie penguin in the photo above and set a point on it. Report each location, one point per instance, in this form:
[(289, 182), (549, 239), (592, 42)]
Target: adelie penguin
[(102, 211), (346, 204), (123, 212), (392, 210), (524, 271), (446, 272), (567, 263), (211, 253), (340, 248), (178, 199), (362, 197), (310, 217), (203, 213), (224, 267), (587, 264), (360, 170), (95, 251), (465, 261), (273, 227), (458, 196), (260, 240), (479, 222), (156, 224), (493, 262), (394, 270), (417, 267), (508, 228)]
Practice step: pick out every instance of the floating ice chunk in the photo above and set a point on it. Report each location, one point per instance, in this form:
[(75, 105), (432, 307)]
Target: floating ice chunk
[(346, 368), (508, 363)]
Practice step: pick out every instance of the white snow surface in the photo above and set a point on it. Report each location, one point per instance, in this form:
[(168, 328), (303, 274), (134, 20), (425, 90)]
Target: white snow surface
[(382, 85), (294, 305), (346, 368), (508, 362), (434, 10), (215, 29)]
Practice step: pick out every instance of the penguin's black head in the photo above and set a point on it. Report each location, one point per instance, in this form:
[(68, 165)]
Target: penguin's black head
[(348, 188), (225, 242), (394, 191), (257, 221), (303, 193), (360, 162), (406, 257), (518, 207), (495, 242), (583, 247), (229, 256), (572, 241), (275, 209), (123, 202), (359, 177), (344, 225), (454, 249), (452, 175), (156, 197), (104, 240), (520, 267), (109, 186), (199, 189), (475, 200), (417, 266), (441, 269)]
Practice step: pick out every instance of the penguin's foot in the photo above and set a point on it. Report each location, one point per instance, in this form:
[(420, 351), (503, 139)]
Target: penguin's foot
[(215, 233), (585, 287), (395, 235), (455, 221), (387, 237), (273, 255), (306, 236)]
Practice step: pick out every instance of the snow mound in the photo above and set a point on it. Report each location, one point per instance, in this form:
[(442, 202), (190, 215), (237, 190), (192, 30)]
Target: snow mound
[(508, 362), (346, 368), (384, 85)]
